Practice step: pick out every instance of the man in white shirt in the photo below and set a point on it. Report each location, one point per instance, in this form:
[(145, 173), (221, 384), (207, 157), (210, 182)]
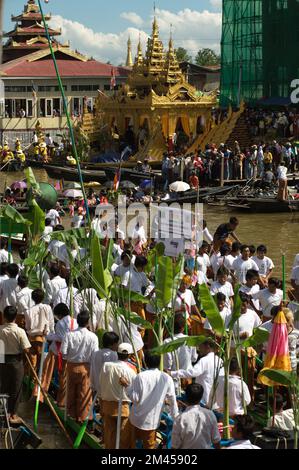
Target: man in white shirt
[(24, 297), (54, 284), (64, 325), (77, 349), (224, 286), (135, 278), (8, 288), (247, 321), (251, 287), (264, 264), (268, 298), (283, 419), (184, 356), (46, 236), (203, 260), (196, 427), (54, 216), (148, 392), (243, 264), (111, 392), (205, 370), (124, 267), (185, 302), (224, 311), (108, 353), (242, 432), (237, 387), (4, 255)]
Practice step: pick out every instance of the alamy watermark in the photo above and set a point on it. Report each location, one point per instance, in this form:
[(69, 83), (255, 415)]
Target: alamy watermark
[(295, 93), (2, 352)]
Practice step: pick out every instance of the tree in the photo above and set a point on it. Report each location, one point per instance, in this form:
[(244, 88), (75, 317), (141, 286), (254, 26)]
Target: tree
[(182, 55), (207, 57)]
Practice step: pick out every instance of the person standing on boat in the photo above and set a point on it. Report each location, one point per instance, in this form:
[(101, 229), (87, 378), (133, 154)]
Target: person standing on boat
[(15, 343), (77, 349), (282, 178)]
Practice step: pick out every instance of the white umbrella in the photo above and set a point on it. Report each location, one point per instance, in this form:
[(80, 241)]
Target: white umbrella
[(72, 185), (179, 187), (74, 193)]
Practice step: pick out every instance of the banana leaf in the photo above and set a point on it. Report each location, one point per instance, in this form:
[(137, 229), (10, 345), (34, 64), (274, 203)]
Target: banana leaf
[(211, 310), (260, 336), (36, 255), (158, 251), (31, 181), (12, 214), (164, 281), (101, 275), (191, 341), (108, 257), (237, 308), (67, 236), (281, 377), (121, 293), (37, 218), (139, 321)]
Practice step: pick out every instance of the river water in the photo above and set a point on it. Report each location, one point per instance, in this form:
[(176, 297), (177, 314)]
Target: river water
[(280, 232)]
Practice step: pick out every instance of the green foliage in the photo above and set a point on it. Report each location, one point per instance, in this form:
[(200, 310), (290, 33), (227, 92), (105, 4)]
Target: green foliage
[(171, 346), (237, 307), (37, 218), (102, 275), (289, 379), (164, 281), (206, 57), (211, 310), (14, 216), (260, 336), (121, 293), (182, 55)]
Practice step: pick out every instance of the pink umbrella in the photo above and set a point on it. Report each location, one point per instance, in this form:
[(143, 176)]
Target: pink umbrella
[(18, 185)]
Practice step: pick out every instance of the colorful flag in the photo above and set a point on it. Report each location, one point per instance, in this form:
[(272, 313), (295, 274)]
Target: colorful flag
[(113, 79)]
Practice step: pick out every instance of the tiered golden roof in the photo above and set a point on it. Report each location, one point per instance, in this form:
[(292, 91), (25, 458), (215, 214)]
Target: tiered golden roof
[(155, 55), (129, 62), (172, 72)]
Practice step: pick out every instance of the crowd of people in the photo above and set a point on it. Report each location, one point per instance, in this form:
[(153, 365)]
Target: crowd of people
[(269, 123), (65, 313)]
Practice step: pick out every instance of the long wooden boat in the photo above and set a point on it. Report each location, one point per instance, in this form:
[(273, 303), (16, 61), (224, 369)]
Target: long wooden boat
[(263, 205), (71, 174)]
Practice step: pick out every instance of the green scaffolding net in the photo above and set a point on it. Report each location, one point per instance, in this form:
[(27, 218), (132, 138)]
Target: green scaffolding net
[(260, 50)]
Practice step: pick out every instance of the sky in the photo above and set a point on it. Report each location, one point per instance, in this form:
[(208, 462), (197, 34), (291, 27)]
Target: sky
[(101, 28)]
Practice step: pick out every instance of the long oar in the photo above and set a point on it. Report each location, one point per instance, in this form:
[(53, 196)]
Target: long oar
[(120, 404), (41, 366), (82, 431), (49, 401)]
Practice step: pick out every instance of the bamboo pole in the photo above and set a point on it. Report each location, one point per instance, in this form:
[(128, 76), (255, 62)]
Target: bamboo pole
[(49, 401), (39, 390), (65, 105), (284, 277)]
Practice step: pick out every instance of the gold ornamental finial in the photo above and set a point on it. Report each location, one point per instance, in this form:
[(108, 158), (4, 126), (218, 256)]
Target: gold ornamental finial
[(139, 56), (129, 62)]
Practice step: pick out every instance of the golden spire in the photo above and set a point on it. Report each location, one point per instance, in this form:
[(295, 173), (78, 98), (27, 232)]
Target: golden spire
[(139, 56), (129, 62), (155, 55), (172, 70)]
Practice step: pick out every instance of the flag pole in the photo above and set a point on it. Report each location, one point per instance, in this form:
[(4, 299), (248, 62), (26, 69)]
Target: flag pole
[(284, 277), (65, 105)]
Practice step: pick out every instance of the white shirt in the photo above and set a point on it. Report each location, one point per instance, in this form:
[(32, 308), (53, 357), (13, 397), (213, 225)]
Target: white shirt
[(62, 327), (247, 322), (240, 266), (226, 289), (235, 395), (203, 262), (217, 261), (225, 314), (120, 270), (207, 235), (139, 234), (203, 372), (24, 300), (135, 280), (294, 306), (53, 287), (46, 234), (88, 300), (283, 420), (98, 359), (185, 298), (110, 388), (195, 428), (186, 355), (148, 392), (39, 319), (63, 297), (3, 256), (78, 346), (282, 172), (8, 293), (268, 300), (251, 291), (242, 445), (53, 214), (265, 265), (77, 221)]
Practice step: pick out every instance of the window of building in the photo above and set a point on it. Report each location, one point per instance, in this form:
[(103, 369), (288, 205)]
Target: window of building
[(29, 108), (50, 88), (85, 87)]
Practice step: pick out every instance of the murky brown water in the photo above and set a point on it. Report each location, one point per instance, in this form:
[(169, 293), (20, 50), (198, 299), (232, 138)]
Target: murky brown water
[(280, 232)]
